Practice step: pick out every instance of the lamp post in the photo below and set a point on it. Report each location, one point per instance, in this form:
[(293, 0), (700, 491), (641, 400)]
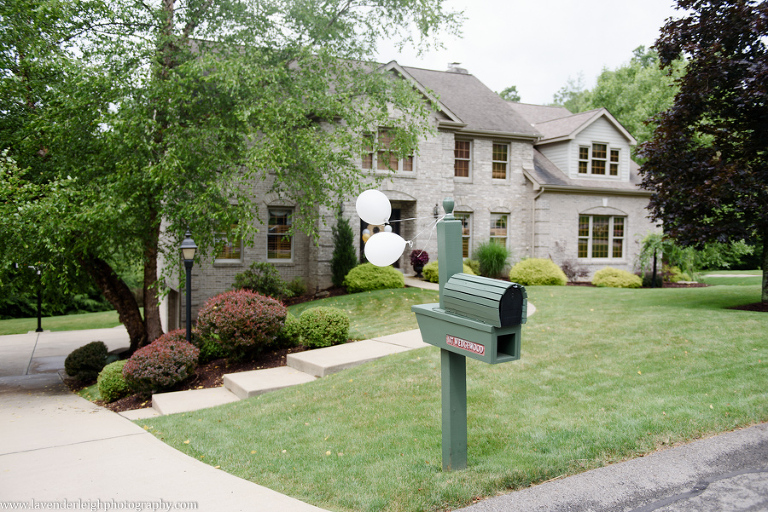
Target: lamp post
[(188, 249)]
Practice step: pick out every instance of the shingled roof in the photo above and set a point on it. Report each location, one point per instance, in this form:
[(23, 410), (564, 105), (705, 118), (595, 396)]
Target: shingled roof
[(548, 175), (478, 107)]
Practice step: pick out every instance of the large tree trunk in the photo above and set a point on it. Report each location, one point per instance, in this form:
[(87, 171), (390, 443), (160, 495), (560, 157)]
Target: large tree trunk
[(119, 295), (151, 303)]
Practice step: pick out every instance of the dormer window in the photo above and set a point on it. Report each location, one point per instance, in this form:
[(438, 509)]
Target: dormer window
[(595, 160)]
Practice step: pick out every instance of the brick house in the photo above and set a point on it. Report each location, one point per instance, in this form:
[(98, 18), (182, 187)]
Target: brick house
[(542, 181)]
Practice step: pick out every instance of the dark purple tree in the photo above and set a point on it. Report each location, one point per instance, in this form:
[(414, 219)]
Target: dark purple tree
[(707, 162)]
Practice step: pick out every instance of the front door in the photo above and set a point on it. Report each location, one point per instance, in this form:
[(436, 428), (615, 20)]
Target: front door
[(372, 230)]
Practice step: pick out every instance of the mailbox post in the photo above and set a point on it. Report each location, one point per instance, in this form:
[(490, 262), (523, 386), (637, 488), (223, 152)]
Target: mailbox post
[(476, 317)]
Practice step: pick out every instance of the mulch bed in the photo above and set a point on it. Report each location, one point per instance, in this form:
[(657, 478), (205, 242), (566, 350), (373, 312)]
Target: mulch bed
[(211, 374), (761, 307)]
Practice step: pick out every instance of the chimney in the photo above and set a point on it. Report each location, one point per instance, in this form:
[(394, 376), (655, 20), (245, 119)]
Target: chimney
[(453, 67)]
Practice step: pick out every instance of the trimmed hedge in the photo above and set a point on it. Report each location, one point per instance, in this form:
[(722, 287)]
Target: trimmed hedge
[(160, 365), (111, 383), (537, 272), (323, 327), (241, 321), (431, 271), (615, 278), (85, 363), (367, 277), (290, 335)]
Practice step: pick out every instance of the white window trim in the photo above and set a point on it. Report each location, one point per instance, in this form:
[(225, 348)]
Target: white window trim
[(590, 237), (293, 249), (506, 238), (228, 261), (507, 168), (471, 159), (374, 155), (469, 237), (590, 158)]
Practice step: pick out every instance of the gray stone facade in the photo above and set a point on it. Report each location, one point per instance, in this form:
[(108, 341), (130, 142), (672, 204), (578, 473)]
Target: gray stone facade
[(541, 203)]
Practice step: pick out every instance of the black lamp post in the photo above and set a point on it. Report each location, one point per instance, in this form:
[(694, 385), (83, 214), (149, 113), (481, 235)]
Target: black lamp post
[(188, 249)]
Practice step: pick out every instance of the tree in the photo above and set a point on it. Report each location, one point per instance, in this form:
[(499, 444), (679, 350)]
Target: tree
[(344, 258), (510, 94), (633, 93), (132, 122), (707, 163)]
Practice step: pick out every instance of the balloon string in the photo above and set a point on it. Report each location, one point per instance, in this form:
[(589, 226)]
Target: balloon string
[(413, 218), (430, 227)]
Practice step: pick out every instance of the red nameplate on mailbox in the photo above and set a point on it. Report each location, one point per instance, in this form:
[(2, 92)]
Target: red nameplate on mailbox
[(469, 346)]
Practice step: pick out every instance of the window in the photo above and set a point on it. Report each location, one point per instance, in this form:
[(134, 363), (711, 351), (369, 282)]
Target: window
[(279, 241), (231, 246), (583, 159), (466, 232), (462, 158), (594, 160), (385, 160), (614, 170), (499, 228), (601, 236), (500, 157)]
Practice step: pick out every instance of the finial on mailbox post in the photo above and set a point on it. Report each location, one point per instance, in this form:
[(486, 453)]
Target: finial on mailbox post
[(448, 207)]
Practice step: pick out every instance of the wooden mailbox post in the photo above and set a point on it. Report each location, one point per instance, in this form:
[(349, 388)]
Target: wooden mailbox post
[(476, 317)]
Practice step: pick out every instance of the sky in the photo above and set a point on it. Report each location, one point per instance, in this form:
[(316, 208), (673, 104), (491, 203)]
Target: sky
[(538, 45)]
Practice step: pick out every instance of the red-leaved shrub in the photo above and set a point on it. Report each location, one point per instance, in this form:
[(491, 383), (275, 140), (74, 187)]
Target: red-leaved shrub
[(241, 321), (163, 363)]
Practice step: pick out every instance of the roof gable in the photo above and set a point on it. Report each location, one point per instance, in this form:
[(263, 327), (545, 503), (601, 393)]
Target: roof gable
[(567, 128), (472, 102)]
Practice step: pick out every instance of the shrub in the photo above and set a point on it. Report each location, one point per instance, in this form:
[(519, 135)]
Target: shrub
[(537, 272), (431, 271), (111, 383), (323, 327), (474, 265), (296, 287), (344, 256), (241, 321), (616, 278), (367, 277), (674, 274), (209, 349), (85, 363), (290, 335), (647, 279), (263, 278), (492, 257), (160, 365), (419, 257)]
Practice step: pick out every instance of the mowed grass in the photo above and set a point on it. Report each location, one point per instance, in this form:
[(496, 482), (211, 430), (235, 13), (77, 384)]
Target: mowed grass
[(101, 320), (376, 313), (733, 277), (605, 375)]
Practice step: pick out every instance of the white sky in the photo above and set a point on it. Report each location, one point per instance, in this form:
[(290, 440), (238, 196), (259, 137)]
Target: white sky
[(538, 45)]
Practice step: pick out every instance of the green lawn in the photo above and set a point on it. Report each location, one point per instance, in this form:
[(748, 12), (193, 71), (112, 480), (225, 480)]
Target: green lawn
[(605, 375), (376, 313), (734, 277), (102, 320)]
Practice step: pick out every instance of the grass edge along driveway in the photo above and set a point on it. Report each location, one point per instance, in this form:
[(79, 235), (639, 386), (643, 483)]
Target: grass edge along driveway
[(605, 375)]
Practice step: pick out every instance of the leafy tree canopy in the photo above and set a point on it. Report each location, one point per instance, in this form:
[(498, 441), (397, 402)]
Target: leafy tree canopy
[(707, 162), (123, 117), (510, 94)]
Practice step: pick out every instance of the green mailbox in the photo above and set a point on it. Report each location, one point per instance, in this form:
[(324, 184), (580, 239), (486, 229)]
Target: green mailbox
[(477, 317), (481, 318)]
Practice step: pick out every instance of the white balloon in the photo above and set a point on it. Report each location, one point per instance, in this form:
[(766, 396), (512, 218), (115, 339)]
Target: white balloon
[(373, 207), (388, 228), (383, 249)]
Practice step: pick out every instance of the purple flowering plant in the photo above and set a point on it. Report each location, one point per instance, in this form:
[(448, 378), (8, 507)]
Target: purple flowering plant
[(419, 257)]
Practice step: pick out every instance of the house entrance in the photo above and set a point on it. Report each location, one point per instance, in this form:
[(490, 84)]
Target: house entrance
[(373, 229)]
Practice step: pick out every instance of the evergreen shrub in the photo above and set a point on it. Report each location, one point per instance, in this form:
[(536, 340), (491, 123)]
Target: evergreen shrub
[(242, 322), (367, 277), (537, 272), (431, 271), (290, 335), (344, 256), (160, 365), (615, 278), (262, 277), (323, 327), (85, 363), (111, 383)]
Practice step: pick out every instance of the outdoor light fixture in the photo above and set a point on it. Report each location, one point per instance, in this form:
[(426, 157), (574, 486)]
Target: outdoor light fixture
[(436, 212), (188, 249)]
